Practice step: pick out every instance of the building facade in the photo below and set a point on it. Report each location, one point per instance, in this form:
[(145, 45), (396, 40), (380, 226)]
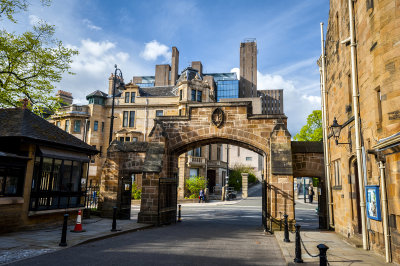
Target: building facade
[(375, 77)]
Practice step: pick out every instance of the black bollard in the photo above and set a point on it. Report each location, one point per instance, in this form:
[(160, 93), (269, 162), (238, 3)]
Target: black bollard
[(286, 239), (63, 242), (179, 213), (298, 258), (114, 223), (323, 261)]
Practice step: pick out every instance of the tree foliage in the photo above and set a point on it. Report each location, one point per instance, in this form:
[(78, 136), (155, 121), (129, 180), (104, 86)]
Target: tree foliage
[(312, 131), (194, 184), (30, 63)]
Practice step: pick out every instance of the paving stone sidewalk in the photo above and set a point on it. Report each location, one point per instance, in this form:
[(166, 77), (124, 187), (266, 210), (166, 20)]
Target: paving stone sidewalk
[(25, 244), (340, 251)]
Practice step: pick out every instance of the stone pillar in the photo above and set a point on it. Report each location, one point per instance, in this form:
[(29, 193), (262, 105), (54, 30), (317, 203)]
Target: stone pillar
[(149, 203), (245, 185)]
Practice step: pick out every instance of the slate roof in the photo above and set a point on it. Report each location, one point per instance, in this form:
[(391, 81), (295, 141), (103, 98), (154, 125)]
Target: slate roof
[(158, 91), (97, 93), (23, 123)]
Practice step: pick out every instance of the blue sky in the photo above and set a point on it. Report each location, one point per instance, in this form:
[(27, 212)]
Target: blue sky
[(136, 35)]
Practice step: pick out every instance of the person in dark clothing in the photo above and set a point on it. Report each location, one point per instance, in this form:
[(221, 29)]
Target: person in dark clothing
[(311, 193), (201, 196)]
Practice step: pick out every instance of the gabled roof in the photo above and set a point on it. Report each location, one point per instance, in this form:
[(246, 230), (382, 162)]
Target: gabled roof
[(157, 91), (23, 123), (97, 93)]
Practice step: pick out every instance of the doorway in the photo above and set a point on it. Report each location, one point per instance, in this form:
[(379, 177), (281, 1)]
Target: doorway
[(211, 180), (357, 196)]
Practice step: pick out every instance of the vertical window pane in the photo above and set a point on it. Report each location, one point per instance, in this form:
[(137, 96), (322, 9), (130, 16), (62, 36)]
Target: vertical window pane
[(102, 126), (193, 95), (96, 125), (77, 126), (126, 97), (67, 125), (127, 139), (159, 112), (180, 95), (125, 119), (199, 96), (133, 96), (121, 139), (132, 119)]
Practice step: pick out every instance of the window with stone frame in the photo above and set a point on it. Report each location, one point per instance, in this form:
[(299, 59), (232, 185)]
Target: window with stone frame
[(125, 119), (159, 112), (336, 174), (67, 125), (95, 125), (132, 119), (127, 96), (77, 126)]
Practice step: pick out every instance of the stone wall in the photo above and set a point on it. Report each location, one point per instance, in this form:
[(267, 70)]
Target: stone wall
[(378, 59)]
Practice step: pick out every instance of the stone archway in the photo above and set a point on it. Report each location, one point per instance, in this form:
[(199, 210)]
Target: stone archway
[(232, 123)]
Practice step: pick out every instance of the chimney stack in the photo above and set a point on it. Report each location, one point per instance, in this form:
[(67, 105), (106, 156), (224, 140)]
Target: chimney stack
[(174, 65)]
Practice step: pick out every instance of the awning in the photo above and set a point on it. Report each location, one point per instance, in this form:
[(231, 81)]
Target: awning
[(63, 154)]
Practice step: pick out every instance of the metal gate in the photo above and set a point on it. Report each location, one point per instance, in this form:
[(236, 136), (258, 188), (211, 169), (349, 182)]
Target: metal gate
[(167, 200)]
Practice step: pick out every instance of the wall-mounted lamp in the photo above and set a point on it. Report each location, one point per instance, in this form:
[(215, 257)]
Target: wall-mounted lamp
[(335, 129)]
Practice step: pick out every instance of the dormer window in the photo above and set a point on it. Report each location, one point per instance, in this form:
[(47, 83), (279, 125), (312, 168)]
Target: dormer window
[(127, 94)]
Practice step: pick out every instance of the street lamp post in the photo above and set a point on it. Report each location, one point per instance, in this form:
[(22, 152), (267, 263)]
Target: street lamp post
[(335, 132), (121, 86)]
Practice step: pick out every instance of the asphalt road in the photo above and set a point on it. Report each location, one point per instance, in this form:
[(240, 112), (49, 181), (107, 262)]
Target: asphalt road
[(209, 234)]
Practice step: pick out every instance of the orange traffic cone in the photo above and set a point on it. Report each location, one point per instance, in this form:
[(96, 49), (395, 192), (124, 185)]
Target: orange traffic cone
[(78, 225)]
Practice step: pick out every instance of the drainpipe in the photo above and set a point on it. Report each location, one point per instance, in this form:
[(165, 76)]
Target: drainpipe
[(384, 210), (145, 119), (357, 121), (324, 97)]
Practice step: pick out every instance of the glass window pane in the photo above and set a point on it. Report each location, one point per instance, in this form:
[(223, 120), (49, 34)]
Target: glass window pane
[(133, 96), (132, 119), (126, 97), (76, 176), (96, 125), (199, 96), (193, 95), (125, 119), (77, 126), (66, 176)]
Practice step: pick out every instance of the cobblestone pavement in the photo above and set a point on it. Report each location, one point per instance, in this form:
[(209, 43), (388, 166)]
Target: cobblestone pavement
[(209, 234)]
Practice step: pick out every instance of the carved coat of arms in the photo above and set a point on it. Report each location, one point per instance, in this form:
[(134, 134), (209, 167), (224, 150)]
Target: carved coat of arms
[(218, 117)]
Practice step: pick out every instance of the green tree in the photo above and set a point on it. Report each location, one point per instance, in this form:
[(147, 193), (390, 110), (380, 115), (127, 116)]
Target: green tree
[(312, 131), (194, 184), (30, 63)]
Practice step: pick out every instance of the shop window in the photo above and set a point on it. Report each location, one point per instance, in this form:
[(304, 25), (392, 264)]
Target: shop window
[(132, 119), (77, 126), (127, 95), (133, 97), (159, 112), (96, 125), (125, 119), (11, 181), (56, 184)]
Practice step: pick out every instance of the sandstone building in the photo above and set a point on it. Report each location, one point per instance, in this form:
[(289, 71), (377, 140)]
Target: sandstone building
[(146, 98), (377, 82)]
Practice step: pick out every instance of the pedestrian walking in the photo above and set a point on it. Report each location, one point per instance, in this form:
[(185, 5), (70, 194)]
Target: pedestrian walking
[(311, 193), (201, 196)]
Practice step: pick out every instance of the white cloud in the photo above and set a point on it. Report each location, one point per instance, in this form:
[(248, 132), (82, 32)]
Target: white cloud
[(297, 104), (237, 71), (95, 58), (34, 20), (90, 25), (154, 49)]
